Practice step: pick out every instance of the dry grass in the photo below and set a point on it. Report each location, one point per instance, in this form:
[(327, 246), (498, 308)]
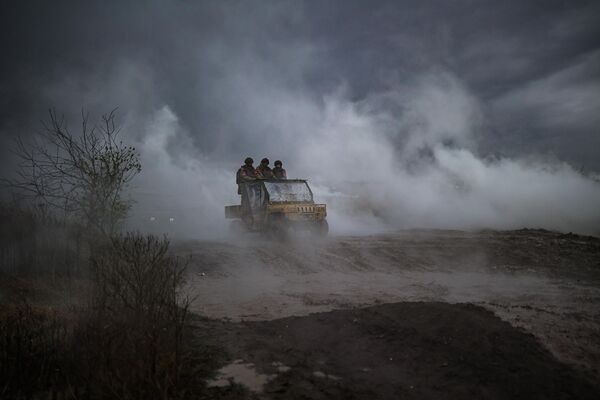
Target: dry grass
[(32, 241)]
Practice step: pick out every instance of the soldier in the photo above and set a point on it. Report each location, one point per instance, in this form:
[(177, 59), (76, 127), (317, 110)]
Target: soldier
[(278, 171), (246, 173), (263, 171)]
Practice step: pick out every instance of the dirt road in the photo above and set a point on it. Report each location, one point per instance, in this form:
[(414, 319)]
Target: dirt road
[(546, 283)]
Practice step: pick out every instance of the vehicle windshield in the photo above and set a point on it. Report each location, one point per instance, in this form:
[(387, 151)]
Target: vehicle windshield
[(289, 191)]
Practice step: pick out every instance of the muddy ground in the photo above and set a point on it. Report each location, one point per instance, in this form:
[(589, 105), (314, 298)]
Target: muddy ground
[(415, 314)]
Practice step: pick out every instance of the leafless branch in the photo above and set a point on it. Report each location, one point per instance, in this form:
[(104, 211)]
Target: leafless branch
[(83, 175)]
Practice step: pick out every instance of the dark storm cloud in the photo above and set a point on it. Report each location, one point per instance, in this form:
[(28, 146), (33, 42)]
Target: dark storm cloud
[(420, 87), (187, 49)]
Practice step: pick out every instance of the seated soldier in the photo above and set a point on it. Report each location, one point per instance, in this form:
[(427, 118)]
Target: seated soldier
[(246, 173), (278, 171), (263, 171)]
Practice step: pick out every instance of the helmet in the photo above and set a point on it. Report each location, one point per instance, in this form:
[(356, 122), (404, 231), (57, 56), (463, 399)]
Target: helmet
[(264, 161), (248, 161), (278, 162)]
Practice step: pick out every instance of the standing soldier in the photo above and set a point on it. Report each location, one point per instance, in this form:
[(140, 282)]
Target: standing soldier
[(246, 173), (263, 171), (278, 171)]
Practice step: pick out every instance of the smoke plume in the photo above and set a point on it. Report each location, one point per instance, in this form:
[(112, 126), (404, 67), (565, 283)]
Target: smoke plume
[(411, 115)]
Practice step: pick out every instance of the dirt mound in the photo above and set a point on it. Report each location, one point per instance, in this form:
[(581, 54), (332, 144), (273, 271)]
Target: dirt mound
[(402, 350)]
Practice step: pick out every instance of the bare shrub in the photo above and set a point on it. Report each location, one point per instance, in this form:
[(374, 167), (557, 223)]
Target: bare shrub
[(82, 175), (128, 340), (70, 190), (137, 273), (132, 338)]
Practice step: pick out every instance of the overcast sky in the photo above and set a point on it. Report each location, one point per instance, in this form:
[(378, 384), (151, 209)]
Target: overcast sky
[(534, 65), (501, 79)]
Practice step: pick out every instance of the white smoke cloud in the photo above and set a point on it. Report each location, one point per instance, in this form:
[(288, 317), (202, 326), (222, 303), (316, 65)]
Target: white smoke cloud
[(250, 81), (180, 195), (406, 158)]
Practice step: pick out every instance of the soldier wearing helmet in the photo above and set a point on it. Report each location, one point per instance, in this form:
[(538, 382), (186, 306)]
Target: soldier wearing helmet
[(246, 173), (263, 171), (278, 171)]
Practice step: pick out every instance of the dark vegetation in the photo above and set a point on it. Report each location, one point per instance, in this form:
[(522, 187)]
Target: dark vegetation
[(87, 312), (122, 333)]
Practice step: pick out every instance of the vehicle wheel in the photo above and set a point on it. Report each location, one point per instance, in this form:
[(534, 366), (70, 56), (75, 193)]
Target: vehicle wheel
[(322, 228)]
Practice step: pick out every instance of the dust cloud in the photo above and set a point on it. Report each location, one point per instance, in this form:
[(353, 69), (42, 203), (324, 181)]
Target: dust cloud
[(404, 158), (399, 117)]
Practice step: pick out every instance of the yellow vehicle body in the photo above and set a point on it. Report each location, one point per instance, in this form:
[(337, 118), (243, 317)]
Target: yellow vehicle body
[(275, 206)]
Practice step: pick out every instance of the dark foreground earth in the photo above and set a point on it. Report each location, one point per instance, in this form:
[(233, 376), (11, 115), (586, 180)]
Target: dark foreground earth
[(392, 351), (415, 314)]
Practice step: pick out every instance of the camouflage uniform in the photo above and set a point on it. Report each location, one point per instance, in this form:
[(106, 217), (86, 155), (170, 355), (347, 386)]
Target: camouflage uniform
[(246, 173), (279, 173), (264, 172)]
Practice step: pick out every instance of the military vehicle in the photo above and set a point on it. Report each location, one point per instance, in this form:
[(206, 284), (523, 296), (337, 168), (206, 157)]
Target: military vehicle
[(274, 207)]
